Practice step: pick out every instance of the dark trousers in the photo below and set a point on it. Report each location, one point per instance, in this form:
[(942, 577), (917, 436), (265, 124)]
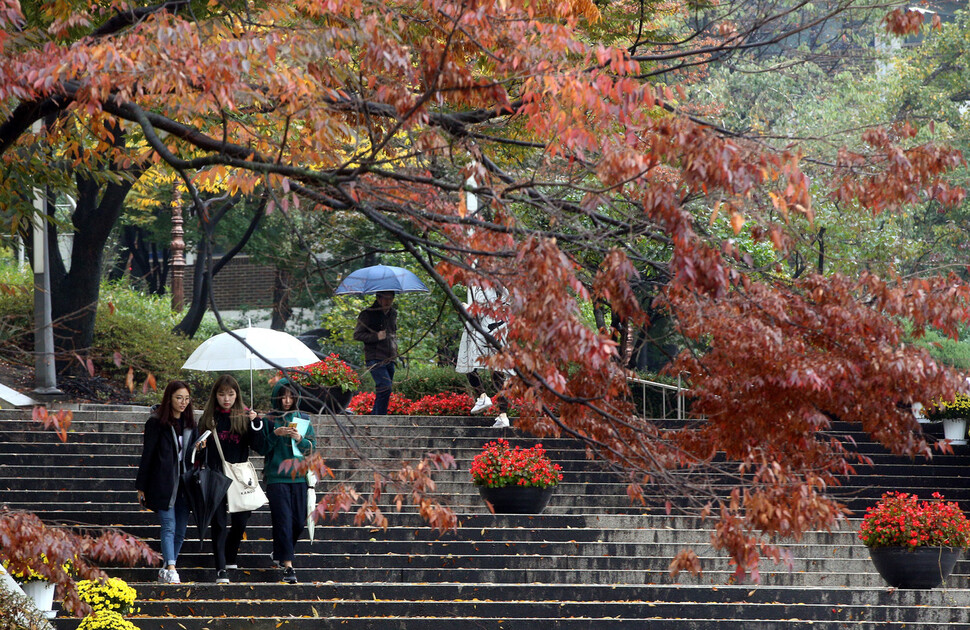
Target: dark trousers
[(225, 540), (287, 507), (383, 375), (498, 381)]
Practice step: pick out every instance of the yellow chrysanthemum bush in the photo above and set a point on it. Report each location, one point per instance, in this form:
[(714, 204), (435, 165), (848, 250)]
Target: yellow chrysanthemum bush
[(111, 594), (27, 574), (105, 620), (959, 407)]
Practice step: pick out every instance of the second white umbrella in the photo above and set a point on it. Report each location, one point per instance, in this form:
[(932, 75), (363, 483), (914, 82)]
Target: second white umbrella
[(225, 353)]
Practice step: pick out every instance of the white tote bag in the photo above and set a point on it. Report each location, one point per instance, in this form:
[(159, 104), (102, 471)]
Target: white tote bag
[(244, 494)]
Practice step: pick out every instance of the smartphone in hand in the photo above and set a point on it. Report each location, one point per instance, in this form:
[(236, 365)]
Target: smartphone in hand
[(202, 438)]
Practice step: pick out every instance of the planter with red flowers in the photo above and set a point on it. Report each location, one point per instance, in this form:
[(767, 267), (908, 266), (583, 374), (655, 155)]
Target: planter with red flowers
[(329, 383), (913, 543), (514, 480)]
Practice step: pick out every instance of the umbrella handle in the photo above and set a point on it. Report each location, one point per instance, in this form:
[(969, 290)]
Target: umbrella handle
[(195, 447), (257, 427)]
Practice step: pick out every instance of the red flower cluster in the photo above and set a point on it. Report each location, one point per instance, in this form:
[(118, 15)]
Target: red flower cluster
[(447, 404), (498, 466), (330, 372), (902, 520), (363, 402)]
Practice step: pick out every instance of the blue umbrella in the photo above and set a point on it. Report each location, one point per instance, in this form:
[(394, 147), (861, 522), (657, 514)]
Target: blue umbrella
[(381, 278)]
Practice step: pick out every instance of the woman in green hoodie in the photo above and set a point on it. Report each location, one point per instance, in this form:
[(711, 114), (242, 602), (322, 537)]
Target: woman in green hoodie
[(287, 434)]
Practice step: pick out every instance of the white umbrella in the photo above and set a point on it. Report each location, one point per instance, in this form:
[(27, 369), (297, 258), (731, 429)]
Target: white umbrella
[(311, 503), (224, 353)]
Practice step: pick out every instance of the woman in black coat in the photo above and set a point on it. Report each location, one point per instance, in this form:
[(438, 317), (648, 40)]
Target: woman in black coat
[(228, 419), (169, 433)]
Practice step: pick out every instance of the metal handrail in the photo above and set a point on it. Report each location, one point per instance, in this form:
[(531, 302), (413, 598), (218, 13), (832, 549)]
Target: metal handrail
[(677, 388)]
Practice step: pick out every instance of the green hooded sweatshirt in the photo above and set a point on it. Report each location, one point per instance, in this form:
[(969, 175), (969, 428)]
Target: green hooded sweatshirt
[(276, 449)]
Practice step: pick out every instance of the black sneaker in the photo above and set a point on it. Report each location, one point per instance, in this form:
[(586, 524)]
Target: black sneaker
[(289, 575), (222, 577)]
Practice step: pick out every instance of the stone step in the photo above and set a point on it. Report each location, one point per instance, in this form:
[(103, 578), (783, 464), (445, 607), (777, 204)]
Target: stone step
[(573, 528), (463, 498), (523, 576), (574, 566), (475, 591), (30, 453), (417, 437), (310, 558), (529, 623), (42, 455), (138, 414), (244, 608)]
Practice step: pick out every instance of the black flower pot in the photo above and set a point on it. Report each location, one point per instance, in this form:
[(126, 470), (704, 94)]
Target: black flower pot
[(919, 567), (517, 499), (324, 399)]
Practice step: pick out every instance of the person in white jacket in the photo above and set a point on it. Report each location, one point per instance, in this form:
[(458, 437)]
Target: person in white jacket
[(473, 348)]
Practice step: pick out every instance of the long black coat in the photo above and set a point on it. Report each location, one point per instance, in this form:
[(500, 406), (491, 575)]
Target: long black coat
[(161, 464)]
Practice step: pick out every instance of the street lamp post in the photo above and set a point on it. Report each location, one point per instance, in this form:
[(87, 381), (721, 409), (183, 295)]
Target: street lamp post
[(178, 256), (45, 377)]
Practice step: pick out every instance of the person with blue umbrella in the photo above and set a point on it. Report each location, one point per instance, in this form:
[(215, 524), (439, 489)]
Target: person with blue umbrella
[(377, 329), (377, 324)]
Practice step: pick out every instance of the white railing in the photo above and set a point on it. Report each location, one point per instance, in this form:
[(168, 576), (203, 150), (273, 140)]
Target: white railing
[(678, 390)]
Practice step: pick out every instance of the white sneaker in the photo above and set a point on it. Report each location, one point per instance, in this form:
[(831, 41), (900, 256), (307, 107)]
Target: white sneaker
[(483, 403), (232, 566), (501, 422), (168, 576)]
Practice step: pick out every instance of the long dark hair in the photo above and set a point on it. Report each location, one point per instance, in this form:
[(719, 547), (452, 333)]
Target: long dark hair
[(237, 413), (164, 411)]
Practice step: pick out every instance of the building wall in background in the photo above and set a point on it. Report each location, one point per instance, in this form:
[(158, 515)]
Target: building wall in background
[(240, 284)]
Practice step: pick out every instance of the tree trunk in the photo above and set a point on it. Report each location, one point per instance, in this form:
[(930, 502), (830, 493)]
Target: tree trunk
[(74, 293), (141, 258), (282, 311), (200, 285), (190, 322)]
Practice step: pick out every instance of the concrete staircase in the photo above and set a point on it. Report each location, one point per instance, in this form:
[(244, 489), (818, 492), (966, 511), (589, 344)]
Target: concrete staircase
[(591, 560)]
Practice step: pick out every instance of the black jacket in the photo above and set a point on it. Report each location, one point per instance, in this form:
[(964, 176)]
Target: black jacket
[(371, 321), (162, 463), (234, 447)]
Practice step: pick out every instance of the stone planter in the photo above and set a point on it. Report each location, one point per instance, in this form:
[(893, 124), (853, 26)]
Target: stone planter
[(517, 499), (42, 592), (325, 399), (920, 567), (955, 430)]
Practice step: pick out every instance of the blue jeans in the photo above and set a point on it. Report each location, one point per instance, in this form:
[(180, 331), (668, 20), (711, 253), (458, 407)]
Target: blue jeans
[(383, 375), (173, 521)]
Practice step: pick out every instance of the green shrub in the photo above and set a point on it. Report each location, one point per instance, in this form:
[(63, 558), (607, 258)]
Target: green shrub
[(946, 350), (136, 326), (16, 308), (139, 328), (415, 381)]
